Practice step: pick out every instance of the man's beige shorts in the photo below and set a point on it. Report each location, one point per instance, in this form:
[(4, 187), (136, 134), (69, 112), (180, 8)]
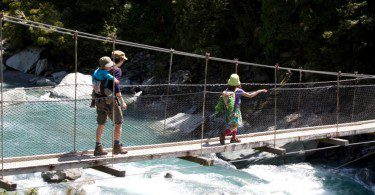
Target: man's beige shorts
[(104, 111)]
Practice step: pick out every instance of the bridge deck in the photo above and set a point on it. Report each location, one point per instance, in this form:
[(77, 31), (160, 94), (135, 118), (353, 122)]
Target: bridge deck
[(29, 164)]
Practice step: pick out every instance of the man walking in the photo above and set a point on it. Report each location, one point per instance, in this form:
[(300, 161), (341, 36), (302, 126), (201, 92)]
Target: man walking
[(105, 107)]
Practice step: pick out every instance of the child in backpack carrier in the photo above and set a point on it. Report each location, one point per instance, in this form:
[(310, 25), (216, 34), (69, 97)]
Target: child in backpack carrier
[(229, 104), (100, 76)]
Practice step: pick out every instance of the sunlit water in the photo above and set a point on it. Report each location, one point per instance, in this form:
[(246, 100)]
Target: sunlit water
[(40, 128)]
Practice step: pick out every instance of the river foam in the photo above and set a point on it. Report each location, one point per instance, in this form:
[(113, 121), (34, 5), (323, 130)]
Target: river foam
[(189, 178)]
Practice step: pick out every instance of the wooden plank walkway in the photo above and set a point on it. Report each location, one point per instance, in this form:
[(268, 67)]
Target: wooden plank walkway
[(29, 164)]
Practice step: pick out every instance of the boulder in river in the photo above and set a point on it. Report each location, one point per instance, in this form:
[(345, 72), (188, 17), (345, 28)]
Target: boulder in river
[(66, 88), (133, 99), (59, 176), (41, 65), (57, 77), (24, 60), (44, 82), (180, 123), (14, 96)]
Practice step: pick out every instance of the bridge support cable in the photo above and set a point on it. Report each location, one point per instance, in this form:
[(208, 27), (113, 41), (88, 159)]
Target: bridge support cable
[(168, 89), (236, 65), (204, 99), (7, 185), (354, 97), (114, 100), (75, 89), (84, 35), (299, 99), (275, 106), (338, 103), (2, 97)]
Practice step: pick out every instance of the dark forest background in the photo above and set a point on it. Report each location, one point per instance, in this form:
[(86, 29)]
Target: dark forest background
[(327, 35)]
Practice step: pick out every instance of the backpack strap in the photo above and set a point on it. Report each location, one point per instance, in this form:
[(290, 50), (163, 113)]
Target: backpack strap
[(102, 83)]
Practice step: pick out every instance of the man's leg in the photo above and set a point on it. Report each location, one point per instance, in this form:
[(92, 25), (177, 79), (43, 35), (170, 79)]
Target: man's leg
[(99, 133), (101, 119), (99, 150), (117, 147), (118, 130)]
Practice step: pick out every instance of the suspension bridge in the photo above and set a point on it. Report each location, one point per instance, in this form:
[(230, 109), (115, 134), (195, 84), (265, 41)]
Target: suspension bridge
[(58, 133)]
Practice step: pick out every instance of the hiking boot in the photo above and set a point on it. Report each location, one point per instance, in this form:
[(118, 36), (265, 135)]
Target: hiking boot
[(235, 140), (222, 139), (118, 149), (99, 151)]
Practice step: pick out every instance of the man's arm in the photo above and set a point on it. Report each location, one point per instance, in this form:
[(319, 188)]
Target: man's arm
[(122, 102)]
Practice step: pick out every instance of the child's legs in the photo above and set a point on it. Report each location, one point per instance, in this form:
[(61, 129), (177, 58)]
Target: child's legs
[(233, 130)]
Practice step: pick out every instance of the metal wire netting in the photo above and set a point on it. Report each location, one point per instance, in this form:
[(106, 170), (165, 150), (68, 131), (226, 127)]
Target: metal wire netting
[(41, 121)]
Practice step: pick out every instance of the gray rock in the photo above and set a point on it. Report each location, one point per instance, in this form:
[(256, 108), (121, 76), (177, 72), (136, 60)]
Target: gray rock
[(168, 175), (148, 81), (59, 176), (24, 60), (180, 123), (41, 65), (366, 176), (44, 82), (292, 117), (33, 80), (53, 176), (73, 174), (180, 77), (66, 87), (133, 99), (58, 76), (14, 96)]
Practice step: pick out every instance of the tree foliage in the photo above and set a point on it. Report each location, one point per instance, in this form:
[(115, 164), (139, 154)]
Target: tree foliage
[(330, 35)]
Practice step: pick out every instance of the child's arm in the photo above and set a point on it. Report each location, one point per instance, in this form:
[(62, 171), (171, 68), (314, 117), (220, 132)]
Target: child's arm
[(255, 93), (112, 78)]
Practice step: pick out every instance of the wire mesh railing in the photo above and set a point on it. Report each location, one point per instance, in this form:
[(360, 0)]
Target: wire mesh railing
[(58, 119), (45, 125)]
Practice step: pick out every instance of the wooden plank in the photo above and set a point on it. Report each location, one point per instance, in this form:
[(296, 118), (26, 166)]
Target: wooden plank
[(110, 170), (273, 150), (199, 159), (335, 141), (7, 185)]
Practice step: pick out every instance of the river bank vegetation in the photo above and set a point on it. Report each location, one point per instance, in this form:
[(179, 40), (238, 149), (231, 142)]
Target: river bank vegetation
[(322, 35)]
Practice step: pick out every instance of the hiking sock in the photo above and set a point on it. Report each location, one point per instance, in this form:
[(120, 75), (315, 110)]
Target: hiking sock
[(98, 144), (117, 142), (234, 133), (227, 132)]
